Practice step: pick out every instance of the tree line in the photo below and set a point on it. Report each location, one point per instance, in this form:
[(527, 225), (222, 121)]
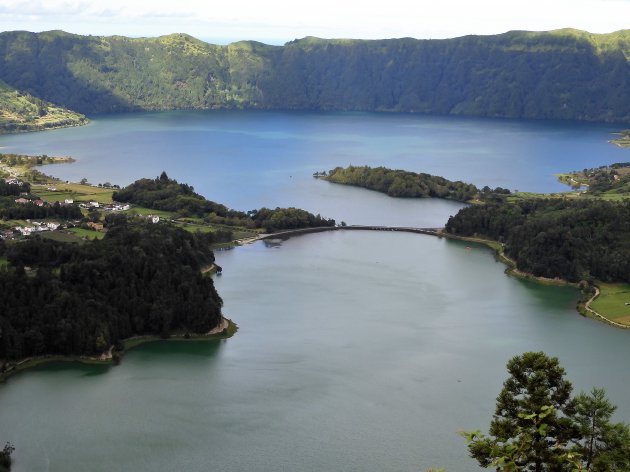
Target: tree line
[(13, 189), (11, 210), (70, 299), (567, 238)]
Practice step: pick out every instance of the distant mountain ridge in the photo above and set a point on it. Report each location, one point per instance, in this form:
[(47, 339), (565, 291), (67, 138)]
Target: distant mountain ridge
[(563, 74)]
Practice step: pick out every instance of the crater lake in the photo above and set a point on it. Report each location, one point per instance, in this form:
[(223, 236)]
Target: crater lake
[(359, 351)]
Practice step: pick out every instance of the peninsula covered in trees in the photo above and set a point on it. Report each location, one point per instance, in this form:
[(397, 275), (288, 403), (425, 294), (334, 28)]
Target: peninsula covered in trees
[(570, 239), (80, 299), (163, 193), (562, 74), (400, 183)]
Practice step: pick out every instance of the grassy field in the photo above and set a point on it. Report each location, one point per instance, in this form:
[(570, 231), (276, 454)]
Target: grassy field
[(61, 237), (87, 233), (195, 228), (77, 192), (611, 302), (148, 211), (611, 196), (3, 263), (13, 223)]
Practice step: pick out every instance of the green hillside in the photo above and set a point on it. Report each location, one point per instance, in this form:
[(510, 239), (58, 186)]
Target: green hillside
[(23, 112), (564, 74)]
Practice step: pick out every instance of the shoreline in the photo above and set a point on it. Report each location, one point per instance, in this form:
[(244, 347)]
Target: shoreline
[(511, 269), (496, 246), (584, 308), (47, 128), (224, 330)]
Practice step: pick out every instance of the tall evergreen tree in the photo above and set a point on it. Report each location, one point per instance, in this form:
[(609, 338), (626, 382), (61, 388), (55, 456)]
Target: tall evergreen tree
[(532, 424), (605, 446)]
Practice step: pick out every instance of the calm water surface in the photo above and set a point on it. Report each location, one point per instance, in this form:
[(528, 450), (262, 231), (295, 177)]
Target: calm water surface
[(356, 351), (251, 159)]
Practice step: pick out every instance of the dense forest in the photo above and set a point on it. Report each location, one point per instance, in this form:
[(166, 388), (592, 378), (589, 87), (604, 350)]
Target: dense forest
[(563, 74), (287, 218), (79, 299), (401, 183), (10, 210), (572, 239), (13, 189), (163, 193)]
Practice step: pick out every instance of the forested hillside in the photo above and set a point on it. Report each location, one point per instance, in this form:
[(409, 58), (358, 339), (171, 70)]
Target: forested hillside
[(571, 239), (564, 74)]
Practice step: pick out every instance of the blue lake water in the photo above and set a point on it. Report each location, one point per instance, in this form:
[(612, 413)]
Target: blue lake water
[(358, 351), (251, 159)]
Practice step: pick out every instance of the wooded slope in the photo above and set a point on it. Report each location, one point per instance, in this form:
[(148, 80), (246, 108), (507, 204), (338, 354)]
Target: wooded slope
[(564, 74)]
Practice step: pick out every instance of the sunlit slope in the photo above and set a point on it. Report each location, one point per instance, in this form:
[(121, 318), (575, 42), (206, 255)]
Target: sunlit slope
[(23, 112)]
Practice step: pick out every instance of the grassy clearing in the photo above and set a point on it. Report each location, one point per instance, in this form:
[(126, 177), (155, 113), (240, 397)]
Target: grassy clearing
[(13, 223), (72, 191), (3, 263), (195, 228), (148, 211), (611, 196), (60, 236), (195, 221), (518, 196), (87, 233), (611, 302)]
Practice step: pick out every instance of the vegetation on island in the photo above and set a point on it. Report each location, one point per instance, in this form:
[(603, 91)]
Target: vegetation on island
[(25, 112), (400, 183), (563, 74), (163, 193), (539, 427), (78, 300)]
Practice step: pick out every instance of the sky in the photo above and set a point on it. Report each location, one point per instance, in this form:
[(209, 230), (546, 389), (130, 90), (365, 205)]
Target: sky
[(279, 21)]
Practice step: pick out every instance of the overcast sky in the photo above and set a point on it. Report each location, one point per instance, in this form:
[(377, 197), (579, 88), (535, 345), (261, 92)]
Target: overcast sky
[(278, 21)]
